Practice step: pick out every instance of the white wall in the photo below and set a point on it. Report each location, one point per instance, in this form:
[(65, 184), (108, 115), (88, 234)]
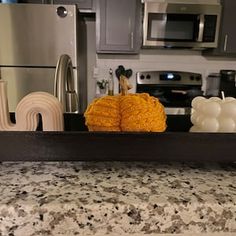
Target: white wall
[(166, 59), (91, 57)]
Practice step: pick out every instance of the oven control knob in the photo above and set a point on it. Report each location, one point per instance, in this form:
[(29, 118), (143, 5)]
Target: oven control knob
[(142, 77), (198, 78), (148, 77), (192, 77)]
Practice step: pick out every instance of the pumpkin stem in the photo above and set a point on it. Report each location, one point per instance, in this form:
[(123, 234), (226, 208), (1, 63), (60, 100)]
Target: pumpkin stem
[(124, 85)]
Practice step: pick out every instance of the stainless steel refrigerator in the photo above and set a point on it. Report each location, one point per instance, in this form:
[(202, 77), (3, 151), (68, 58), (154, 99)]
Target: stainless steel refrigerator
[(32, 39)]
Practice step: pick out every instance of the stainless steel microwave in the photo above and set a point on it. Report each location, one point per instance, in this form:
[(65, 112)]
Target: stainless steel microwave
[(178, 23)]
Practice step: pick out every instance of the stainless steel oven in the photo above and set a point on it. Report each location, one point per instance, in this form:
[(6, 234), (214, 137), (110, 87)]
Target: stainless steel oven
[(174, 89), (181, 23)]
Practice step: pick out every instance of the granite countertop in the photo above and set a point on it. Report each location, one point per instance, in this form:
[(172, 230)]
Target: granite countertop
[(91, 198)]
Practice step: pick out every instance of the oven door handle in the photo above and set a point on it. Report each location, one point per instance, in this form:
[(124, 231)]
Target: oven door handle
[(179, 91), (201, 28)]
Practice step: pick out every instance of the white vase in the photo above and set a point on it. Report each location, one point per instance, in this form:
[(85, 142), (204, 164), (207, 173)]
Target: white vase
[(102, 90), (28, 109)]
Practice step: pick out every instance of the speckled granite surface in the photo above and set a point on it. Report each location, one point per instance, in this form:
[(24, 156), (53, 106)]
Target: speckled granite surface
[(84, 198)]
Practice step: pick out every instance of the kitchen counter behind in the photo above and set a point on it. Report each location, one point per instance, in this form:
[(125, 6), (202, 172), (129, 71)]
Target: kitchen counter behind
[(69, 198)]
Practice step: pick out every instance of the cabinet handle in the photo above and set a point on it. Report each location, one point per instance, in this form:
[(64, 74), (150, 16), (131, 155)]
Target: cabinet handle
[(132, 40), (225, 42)]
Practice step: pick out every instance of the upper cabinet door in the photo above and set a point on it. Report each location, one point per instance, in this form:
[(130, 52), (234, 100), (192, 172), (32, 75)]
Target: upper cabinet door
[(82, 4), (118, 26), (227, 34)]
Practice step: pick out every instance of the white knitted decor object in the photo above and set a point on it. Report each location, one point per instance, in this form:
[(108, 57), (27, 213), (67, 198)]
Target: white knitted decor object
[(28, 109)]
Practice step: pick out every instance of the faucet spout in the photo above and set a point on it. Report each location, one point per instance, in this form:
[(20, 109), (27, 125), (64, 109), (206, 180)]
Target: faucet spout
[(64, 84)]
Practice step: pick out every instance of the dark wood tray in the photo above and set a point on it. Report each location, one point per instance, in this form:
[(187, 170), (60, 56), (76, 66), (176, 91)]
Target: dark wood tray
[(77, 144)]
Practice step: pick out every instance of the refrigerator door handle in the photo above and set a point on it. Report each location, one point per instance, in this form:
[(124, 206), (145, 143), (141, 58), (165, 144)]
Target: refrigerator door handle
[(64, 84)]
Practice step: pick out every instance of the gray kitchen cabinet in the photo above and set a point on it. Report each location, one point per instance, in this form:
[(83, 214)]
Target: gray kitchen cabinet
[(83, 5), (227, 35), (32, 1), (118, 26)]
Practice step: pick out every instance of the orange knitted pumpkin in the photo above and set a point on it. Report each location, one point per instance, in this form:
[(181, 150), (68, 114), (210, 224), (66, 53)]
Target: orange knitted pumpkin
[(130, 112)]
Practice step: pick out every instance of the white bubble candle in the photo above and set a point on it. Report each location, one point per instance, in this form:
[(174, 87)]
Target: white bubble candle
[(213, 114)]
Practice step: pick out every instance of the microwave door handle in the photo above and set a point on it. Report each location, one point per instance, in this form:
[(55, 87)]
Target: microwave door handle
[(201, 28)]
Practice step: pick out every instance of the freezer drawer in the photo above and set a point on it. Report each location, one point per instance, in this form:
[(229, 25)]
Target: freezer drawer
[(37, 34)]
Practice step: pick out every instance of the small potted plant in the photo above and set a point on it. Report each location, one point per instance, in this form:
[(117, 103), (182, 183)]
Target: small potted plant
[(102, 86)]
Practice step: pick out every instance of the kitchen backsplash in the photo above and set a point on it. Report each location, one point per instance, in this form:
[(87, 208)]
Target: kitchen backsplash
[(184, 60)]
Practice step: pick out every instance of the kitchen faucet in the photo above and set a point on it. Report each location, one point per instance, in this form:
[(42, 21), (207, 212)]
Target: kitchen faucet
[(64, 84)]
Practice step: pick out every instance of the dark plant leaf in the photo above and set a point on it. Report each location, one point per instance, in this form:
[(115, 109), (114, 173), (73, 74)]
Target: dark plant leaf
[(128, 73), (122, 69), (118, 73)]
